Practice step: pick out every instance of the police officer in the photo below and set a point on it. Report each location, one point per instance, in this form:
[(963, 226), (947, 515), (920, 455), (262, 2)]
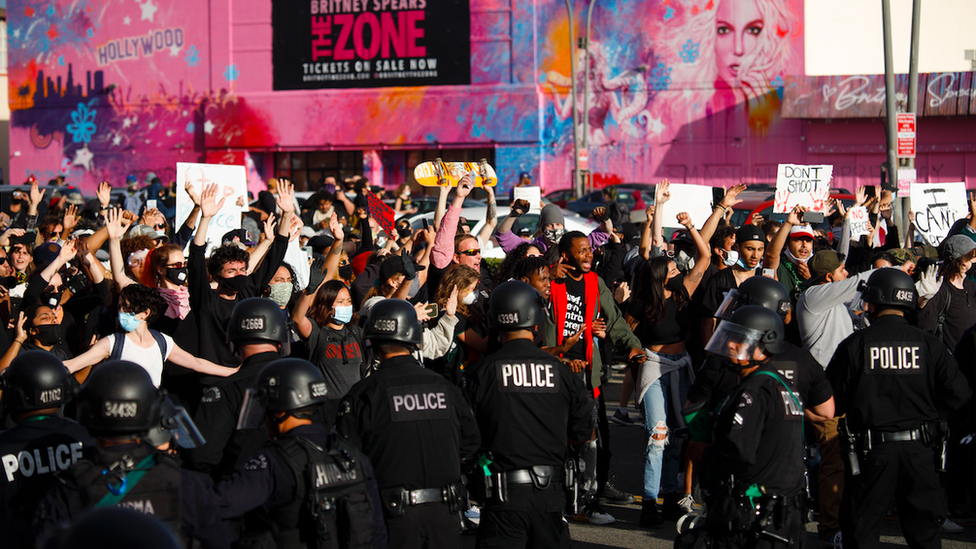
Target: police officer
[(527, 403), (259, 336), (892, 380), (118, 404), (34, 386), (757, 456), (305, 488), (415, 427)]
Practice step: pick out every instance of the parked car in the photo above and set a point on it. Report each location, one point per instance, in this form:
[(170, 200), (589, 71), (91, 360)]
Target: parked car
[(625, 195), (561, 198)]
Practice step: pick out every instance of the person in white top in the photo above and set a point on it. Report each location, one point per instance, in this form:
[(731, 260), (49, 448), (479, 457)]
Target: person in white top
[(138, 305)]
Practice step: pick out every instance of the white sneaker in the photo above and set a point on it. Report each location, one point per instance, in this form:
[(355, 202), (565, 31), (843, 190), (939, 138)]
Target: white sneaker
[(949, 527), (837, 542), (594, 514), (687, 503), (474, 514)]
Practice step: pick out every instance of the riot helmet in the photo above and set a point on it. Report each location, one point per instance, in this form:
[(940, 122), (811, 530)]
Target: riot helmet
[(749, 328), (889, 288), (394, 321), (285, 385), (35, 380), (175, 425), (515, 305), (118, 398), (257, 319), (756, 290)]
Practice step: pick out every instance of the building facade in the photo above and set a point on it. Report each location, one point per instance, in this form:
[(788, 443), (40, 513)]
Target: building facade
[(698, 91)]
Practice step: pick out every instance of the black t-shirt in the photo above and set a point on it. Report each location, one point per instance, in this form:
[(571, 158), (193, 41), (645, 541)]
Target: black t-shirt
[(673, 327), (339, 355), (722, 282), (575, 316)]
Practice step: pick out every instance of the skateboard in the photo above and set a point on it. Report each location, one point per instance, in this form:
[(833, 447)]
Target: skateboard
[(439, 173)]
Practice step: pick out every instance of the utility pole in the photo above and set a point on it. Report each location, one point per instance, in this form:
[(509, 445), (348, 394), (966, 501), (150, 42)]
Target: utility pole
[(891, 110), (902, 216), (585, 44), (577, 180)]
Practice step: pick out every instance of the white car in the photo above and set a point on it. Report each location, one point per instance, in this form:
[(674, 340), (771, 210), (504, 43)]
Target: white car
[(476, 218)]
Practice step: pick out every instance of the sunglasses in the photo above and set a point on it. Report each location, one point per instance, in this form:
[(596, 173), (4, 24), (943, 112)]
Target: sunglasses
[(179, 265), (3, 260), (160, 226), (53, 234), (471, 253)]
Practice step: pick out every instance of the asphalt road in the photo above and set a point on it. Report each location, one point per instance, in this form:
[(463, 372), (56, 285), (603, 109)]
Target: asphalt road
[(627, 445)]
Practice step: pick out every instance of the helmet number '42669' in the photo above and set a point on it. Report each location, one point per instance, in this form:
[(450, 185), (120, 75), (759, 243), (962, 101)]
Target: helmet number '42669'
[(250, 324)]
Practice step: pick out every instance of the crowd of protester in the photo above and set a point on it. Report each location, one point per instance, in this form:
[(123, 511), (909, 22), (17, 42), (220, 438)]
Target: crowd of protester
[(113, 278)]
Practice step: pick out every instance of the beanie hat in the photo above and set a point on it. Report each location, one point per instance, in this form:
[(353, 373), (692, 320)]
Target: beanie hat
[(551, 214)]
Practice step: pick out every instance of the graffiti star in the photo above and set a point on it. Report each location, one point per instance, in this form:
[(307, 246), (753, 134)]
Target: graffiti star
[(655, 126), (126, 20), (117, 140), (126, 123), (174, 50), (83, 157), (208, 127), (148, 11)]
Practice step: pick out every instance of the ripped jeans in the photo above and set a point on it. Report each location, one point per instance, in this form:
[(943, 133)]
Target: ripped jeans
[(662, 459)]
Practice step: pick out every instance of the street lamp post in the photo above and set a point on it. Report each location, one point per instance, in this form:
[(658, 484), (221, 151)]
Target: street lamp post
[(578, 181), (585, 44)]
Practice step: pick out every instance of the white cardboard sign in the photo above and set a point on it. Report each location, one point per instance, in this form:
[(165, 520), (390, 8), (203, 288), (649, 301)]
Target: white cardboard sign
[(937, 206), (694, 199), (532, 194), (232, 182), (860, 223), (798, 185)]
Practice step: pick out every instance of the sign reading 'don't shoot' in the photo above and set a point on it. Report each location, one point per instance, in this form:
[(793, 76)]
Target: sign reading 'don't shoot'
[(807, 186)]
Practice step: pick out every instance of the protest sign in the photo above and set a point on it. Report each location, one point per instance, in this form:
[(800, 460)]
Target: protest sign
[(532, 194), (798, 185), (860, 224), (937, 206), (694, 199), (232, 184)]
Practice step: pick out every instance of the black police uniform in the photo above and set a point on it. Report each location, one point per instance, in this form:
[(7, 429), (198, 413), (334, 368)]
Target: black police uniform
[(414, 426), (274, 489), (759, 441), (181, 499), (30, 454), (527, 404), (892, 380), (216, 418)]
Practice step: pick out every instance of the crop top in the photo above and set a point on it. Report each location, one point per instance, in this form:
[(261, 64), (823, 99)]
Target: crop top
[(673, 328)]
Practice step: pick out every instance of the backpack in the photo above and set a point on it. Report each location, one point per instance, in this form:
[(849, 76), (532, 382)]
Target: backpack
[(120, 341)]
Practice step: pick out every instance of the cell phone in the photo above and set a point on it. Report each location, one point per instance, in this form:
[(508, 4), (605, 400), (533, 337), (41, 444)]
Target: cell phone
[(150, 204), (718, 193), (432, 310), (769, 273), (426, 224), (28, 238), (869, 191)]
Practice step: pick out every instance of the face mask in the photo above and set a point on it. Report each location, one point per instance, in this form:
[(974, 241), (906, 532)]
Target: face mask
[(345, 272), (469, 299), (731, 258), (281, 293), (48, 335), (554, 235), (380, 242), (342, 315), (836, 232), (128, 321), (404, 232), (176, 276), (51, 299), (684, 262), (235, 283)]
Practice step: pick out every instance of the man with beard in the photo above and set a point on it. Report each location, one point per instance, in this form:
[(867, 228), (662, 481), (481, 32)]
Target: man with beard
[(581, 299)]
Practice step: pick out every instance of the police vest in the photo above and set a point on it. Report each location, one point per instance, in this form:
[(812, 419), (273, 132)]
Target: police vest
[(331, 508), (157, 493)]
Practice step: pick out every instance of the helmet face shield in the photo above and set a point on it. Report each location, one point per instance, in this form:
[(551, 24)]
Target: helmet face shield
[(185, 432), (733, 300), (252, 411), (734, 341)]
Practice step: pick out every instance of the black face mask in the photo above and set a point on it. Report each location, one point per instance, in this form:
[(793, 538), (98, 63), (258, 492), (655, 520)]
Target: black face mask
[(48, 335), (51, 299), (235, 283), (177, 276), (404, 232), (345, 272)]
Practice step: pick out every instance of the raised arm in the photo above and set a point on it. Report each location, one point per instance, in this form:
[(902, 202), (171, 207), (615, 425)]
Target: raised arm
[(267, 237), (209, 206), (334, 255), (116, 227), (491, 219), (441, 207), (645, 243), (298, 315), (444, 242), (68, 251), (775, 249), (20, 337), (519, 207), (702, 255), (729, 201), (662, 195)]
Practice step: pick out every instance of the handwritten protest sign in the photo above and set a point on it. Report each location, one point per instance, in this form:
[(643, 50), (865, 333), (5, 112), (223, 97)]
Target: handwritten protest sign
[(694, 199), (532, 194), (937, 206), (860, 224), (798, 185), (232, 184)]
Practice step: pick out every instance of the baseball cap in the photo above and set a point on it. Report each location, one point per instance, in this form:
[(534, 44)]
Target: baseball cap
[(957, 246), (145, 230), (525, 175), (46, 253), (802, 231), (307, 232), (823, 262), (236, 235), (749, 232), (393, 265)]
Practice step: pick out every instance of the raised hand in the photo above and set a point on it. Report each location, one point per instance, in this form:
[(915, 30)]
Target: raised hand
[(885, 210), (731, 196), (335, 227), (209, 206), (520, 206), (796, 216), (757, 219), (684, 218), (662, 192), (284, 199), (36, 195), (465, 186), (68, 250), (860, 196), (269, 226), (450, 307), (295, 227), (104, 194), (421, 310), (5, 237), (192, 193), (20, 334), (599, 213)]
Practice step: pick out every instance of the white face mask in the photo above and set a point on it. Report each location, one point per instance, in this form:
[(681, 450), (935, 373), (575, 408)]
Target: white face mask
[(469, 299), (731, 258), (684, 262)]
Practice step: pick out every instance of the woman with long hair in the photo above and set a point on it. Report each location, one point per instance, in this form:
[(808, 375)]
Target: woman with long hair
[(457, 290), (659, 316), (329, 326)]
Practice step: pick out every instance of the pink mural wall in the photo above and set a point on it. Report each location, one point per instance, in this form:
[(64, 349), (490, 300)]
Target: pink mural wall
[(699, 91)]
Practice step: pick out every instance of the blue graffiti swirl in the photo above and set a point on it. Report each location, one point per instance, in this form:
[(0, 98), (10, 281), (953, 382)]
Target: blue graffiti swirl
[(82, 126)]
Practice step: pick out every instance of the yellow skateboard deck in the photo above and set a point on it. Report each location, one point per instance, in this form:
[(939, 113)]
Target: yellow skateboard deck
[(439, 173)]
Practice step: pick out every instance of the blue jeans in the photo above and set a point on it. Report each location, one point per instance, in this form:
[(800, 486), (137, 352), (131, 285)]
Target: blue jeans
[(661, 457)]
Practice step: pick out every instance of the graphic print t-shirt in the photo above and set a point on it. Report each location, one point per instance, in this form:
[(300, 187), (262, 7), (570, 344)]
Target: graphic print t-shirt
[(575, 310)]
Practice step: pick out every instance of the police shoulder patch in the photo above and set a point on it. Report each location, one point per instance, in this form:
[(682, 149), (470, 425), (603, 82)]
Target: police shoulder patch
[(256, 463), (210, 395), (745, 399), (344, 407)]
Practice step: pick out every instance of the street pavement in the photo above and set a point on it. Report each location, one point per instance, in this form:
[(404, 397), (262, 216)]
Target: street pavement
[(627, 445)]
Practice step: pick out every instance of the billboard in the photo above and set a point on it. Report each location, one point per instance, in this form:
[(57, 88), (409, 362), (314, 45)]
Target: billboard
[(370, 43)]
